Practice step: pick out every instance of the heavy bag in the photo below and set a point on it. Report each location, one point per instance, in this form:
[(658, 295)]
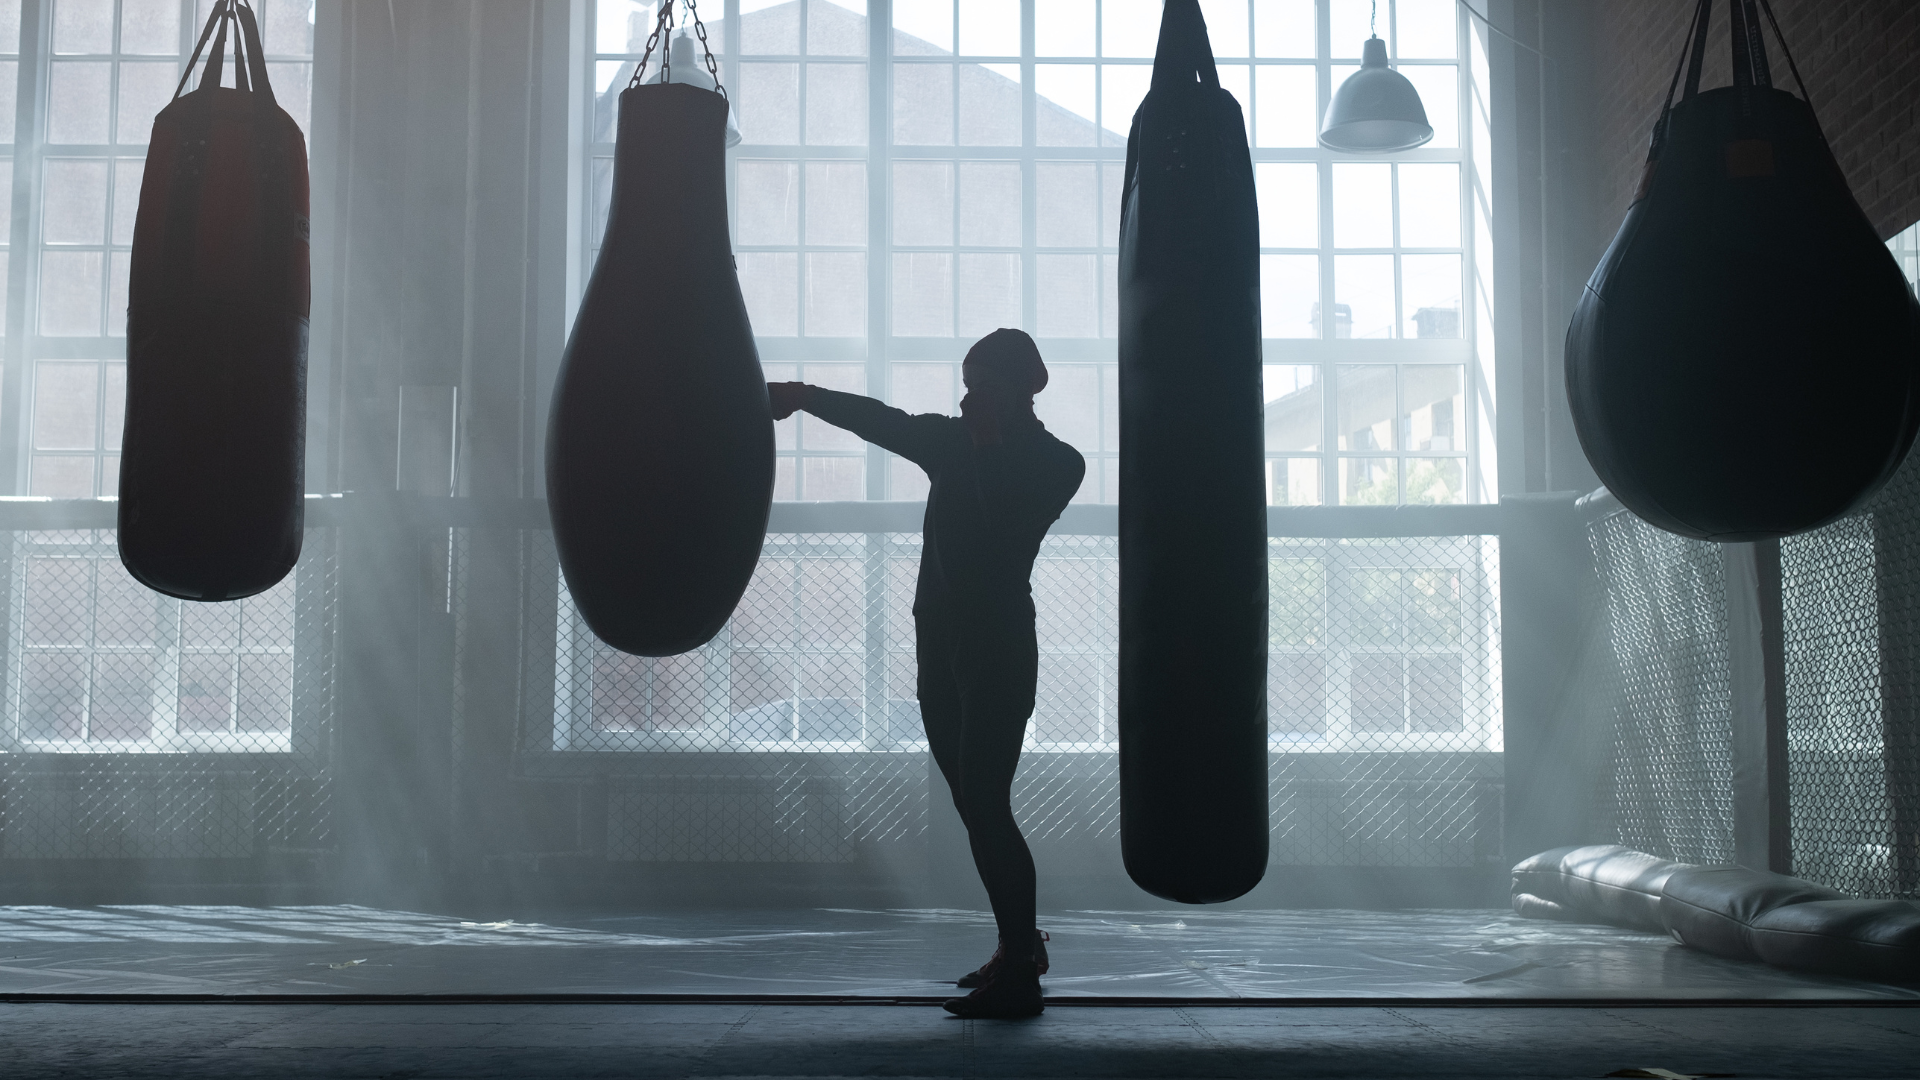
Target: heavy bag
[(1742, 364), (1193, 525), (660, 440), (213, 458)]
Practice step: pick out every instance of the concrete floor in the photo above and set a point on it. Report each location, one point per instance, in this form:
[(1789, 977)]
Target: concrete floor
[(420, 1042)]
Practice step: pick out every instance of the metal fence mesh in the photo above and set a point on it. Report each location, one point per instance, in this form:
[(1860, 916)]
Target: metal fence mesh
[(139, 726), (1670, 789), (795, 734)]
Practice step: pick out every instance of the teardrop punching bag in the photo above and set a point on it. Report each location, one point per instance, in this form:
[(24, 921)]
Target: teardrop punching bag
[(213, 458), (660, 441), (1193, 526), (1745, 361)]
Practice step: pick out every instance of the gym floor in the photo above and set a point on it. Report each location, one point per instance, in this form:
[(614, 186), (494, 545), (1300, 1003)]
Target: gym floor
[(342, 991)]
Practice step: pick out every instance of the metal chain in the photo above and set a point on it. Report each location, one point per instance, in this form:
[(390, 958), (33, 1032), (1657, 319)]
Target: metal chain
[(665, 24)]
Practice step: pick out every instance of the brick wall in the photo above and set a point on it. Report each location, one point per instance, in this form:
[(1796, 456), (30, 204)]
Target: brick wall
[(1861, 62)]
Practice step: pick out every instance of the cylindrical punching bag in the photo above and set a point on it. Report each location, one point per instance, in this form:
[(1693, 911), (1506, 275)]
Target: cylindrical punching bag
[(660, 441), (1193, 535), (212, 468), (1745, 361)]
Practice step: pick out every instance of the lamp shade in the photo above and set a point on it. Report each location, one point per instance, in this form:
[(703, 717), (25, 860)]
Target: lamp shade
[(1376, 111)]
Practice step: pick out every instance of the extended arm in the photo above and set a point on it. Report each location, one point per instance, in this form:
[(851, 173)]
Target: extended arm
[(915, 438)]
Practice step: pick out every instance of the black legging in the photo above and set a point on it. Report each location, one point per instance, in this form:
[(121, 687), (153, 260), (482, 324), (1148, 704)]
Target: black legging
[(976, 692)]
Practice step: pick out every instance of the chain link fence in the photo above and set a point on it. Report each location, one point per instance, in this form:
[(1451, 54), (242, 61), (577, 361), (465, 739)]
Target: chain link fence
[(795, 735), (140, 726)]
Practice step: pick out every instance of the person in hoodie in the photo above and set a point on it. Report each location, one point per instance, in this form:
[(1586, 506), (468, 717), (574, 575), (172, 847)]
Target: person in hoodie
[(999, 480)]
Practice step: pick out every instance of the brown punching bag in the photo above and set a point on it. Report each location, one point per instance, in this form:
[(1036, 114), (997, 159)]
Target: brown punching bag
[(1193, 502), (212, 470), (660, 439), (1745, 361)]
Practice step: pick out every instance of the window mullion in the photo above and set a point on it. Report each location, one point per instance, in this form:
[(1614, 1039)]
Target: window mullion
[(879, 204)]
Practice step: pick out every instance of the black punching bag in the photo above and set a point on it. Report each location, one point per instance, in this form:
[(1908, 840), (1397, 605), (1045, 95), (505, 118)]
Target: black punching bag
[(660, 442), (1193, 524), (212, 468), (1742, 364)]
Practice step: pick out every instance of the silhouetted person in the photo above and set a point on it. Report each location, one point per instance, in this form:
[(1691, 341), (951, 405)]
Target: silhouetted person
[(999, 480)]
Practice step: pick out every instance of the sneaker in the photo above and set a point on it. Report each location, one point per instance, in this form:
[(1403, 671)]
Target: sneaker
[(980, 975), (1012, 993)]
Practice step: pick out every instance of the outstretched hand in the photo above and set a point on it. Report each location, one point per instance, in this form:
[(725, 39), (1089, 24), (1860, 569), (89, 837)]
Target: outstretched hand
[(786, 398)]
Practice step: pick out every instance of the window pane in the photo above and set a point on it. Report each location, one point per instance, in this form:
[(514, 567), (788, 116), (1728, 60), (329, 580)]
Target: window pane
[(1285, 107), (150, 27), (66, 402), (126, 197), (1293, 481), (74, 206), (119, 263), (83, 26), (113, 404), (923, 104), (1289, 195), (77, 102), (1283, 28), (990, 104), (10, 26), (837, 104), (769, 102), (989, 292), (1293, 406), (1066, 205), (1436, 696), (286, 29), (1432, 406), (922, 294), (1065, 111), (929, 22), (122, 698), (1364, 408), (1369, 482), (206, 692), (923, 388), (1440, 96), (836, 294), (836, 28), (906, 481), (1426, 28), (266, 694), (1226, 26), (145, 89), (1110, 296), (1237, 79), (70, 293), (1289, 296), (1129, 27), (1362, 205), (1063, 27), (1430, 285), (9, 86), (1363, 292), (293, 89), (769, 202), (990, 204), (1122, 86), (837, 203), (771, 282), (1352, 22), (1430, 205), (923, 203), (1068, 292), (769, 26), (61, 476), (620, 26), (833, 479), (990, 28), (1113, 180), (1436, 480)]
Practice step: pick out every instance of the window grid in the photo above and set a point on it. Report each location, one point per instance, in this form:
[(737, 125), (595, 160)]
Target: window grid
[(1379, 243)]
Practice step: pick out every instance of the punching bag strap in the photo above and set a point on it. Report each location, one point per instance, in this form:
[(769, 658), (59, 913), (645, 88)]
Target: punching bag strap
[(1767, 7), (1692, 56), (1183, 51), (256, 58), (212, 21), (210, 77)]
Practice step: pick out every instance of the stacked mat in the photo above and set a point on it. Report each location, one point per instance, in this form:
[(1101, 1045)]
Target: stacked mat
[(1729, 911)]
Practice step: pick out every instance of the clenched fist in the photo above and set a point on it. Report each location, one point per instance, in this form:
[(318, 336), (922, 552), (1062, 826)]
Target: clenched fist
[(786, 398)]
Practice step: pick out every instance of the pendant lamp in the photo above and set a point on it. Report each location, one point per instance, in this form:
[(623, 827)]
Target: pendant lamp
[(1376, 111)]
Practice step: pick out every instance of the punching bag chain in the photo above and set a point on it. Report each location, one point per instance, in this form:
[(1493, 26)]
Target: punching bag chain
[(665, 23)]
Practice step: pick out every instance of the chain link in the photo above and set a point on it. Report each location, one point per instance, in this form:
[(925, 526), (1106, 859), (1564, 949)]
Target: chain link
[(664, 24)]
